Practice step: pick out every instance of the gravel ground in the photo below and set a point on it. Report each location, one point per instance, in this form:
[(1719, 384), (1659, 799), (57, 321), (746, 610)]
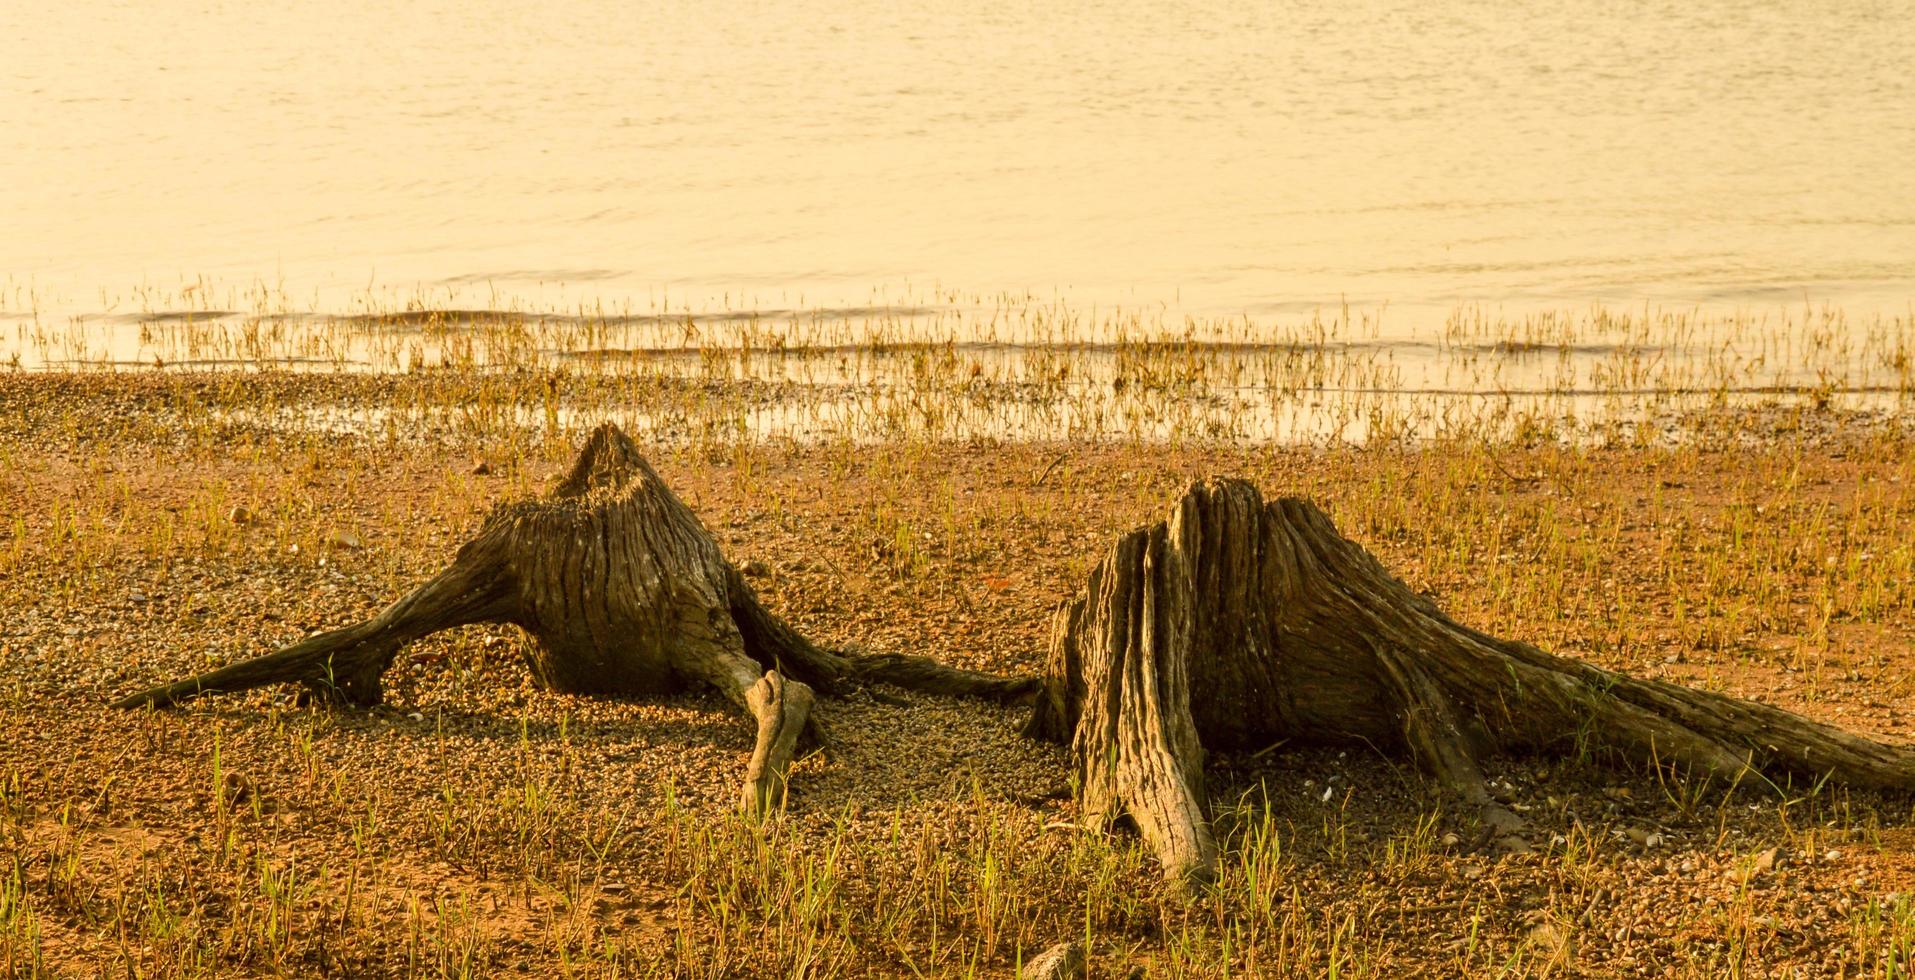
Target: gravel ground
[(476, 824)]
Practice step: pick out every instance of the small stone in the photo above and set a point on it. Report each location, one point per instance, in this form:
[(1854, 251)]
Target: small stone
[(1064, 961), (236, 788), (1549, 938)]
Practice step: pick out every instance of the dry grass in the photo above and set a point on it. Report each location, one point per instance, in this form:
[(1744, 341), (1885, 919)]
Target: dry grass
[(480, 826), (950, 367)]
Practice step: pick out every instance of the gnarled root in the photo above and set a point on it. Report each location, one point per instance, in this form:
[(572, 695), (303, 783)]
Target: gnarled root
[(1237, 623)]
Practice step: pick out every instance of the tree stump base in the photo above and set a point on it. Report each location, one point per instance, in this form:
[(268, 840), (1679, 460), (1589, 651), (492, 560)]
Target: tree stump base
[(1237, 623), (623, 592)]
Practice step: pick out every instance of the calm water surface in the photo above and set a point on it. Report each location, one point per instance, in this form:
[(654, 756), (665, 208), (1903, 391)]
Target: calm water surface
[(1227, 158)]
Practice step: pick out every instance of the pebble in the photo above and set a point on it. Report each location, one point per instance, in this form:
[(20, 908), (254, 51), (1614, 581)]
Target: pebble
[(237, 788), (1549, 938), (1646, 838), (1065, 961)]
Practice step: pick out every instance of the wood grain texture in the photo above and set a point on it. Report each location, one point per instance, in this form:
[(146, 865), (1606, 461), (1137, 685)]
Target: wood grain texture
[(1238, 622), (623, 592)]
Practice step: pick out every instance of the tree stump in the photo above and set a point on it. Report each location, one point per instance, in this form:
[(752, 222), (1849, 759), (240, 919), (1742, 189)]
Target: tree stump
[(1237, 623), (623, 592)]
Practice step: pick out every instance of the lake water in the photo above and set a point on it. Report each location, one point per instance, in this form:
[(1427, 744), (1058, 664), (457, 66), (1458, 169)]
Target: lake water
[(1194, 155)]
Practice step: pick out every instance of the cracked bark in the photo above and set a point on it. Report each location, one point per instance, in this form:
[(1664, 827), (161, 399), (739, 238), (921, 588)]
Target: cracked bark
[(1236, 623), (623, 592)]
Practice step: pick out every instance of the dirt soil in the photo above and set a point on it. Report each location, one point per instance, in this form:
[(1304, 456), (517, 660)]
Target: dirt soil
[(476, 825)]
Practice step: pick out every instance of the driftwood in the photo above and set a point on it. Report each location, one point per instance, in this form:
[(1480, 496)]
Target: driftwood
[(1237, 623), (623, 592)]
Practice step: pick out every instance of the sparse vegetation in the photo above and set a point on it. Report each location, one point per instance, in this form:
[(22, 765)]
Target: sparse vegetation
[(1719, 501)]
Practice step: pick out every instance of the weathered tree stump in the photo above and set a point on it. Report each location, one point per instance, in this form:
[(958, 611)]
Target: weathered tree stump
[(623, 592), (1237, 623)]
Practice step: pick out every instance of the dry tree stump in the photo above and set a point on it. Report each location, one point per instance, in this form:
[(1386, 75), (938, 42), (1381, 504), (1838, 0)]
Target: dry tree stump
[(1237, 623), (623, 592)]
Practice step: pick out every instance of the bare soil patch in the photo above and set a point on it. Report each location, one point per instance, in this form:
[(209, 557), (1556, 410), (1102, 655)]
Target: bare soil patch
[(480, 825)]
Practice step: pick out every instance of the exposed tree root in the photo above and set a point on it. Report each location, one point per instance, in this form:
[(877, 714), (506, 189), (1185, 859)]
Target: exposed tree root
[(623, 591), (1236, 623)]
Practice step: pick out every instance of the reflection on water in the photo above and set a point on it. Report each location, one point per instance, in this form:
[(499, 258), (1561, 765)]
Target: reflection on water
[(846, 218), (1216, 158)]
